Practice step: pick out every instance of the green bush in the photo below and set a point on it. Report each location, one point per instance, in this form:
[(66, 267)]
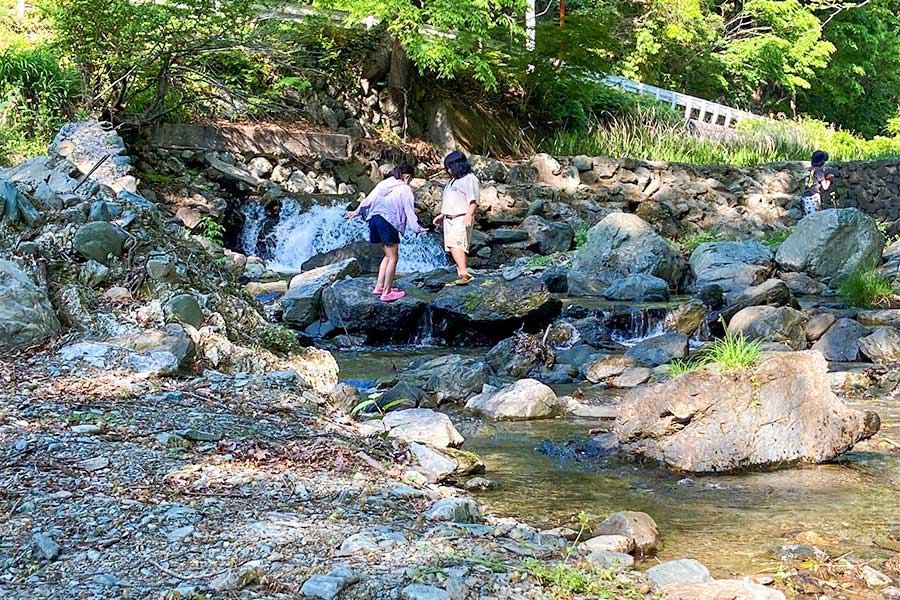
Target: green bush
[(732, 352), (278, 339), (776, 237), (581, 236), (688, 244), (865, 287)]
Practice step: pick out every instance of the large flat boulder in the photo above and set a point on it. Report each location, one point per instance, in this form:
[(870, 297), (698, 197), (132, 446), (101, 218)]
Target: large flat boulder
[(303, 301), (841, 342), (831, 243), (26, 316), (523, 400), (719, 589), (622, 244), (351, 305), (492, 308), (782, 411), (450, 378), (660, 349), (423, 425), (732, 266)]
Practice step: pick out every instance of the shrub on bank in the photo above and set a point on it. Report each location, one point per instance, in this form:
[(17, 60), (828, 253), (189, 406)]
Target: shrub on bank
[(865, 287)]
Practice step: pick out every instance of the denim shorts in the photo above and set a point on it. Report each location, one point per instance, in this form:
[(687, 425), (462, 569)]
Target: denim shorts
[(382, 232)]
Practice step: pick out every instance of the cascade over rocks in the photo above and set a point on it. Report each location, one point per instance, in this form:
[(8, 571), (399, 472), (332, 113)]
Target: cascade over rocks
[(831, 243), (620, 245), (26, 316), (732, 266), (780, 412), (491, 308)]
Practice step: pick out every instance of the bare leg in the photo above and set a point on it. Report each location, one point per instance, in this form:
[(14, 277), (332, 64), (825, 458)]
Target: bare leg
[(391, 256), (460, 257), (382, 269)]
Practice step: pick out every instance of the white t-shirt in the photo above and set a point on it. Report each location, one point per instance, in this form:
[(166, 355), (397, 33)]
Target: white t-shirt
[(459, 193)]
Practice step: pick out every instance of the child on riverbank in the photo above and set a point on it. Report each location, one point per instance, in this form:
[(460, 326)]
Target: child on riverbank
[(819, 183), (460, 199), (388, 210)]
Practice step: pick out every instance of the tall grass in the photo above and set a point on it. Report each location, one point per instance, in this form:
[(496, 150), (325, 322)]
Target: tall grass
[(732, 352), (865, 287), (654, 135)]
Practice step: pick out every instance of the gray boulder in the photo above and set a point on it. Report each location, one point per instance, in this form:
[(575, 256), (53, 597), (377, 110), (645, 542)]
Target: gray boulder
[(831, 243), (98, 241), (686, 570), (882, 345), (523, 400), (608, 560), (817, 325), (841, 342), (492, 308), (422, 425), (449, 378), (456, 510), (638, 527), (547, 237), (639, 287), (351, 305), (622, 244), (659, 350), (781, 324), (26, 316), (734, 589), (773, 292), (303, 300), (184, 308), (161, 351), (780, 412), (732, 266), (518, 356), (802, 284)]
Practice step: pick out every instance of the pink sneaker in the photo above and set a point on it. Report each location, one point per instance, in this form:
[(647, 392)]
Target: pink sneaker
[(380, 292), (393, 295)]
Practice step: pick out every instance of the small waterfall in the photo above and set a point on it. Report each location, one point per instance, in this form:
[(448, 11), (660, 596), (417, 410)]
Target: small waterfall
[(636, 325), (302, 232)]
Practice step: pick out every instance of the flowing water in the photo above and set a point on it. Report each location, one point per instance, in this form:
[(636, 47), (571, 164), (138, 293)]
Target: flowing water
[(300, 232), (728, 522)]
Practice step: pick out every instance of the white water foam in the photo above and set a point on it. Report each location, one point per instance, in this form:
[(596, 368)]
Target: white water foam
[(301, 233)]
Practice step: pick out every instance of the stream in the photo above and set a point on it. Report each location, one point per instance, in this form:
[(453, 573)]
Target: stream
[(729, 522)]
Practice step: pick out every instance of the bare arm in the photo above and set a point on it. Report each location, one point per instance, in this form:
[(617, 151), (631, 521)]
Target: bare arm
[(366, 203), (410, 210)]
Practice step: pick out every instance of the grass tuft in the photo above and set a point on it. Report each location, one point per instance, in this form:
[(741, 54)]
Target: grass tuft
[(679, 367), (776, 237), (688, 244), (865, 287), (732, 352), (564, 581)]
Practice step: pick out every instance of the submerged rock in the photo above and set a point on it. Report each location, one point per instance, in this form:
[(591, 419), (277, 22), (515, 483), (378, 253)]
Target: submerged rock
[(780, 412), (26, 316), (620, 245), (830, 244), (523, 400)]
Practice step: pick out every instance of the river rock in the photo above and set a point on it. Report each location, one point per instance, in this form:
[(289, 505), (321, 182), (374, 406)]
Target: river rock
[(772, 292), (329, 586), (184, 308), (302, 302), (817, 325), (884, 316), (605, 367), (687, 318), (351, 305), (732, 589), (431, 463), (631, 377), (98, 241), (492, 308), (882, 345), (686, 570), (368, 257), (607, 543), (518, 356), (420, 591), (830, 244), (422, 425), (523, 400), (26, 315), (456, 510), (163, 351), (732, 266), (622, 244), (659, 350), (780, 412), (802, 284), (547, 237), (639, 287), (841, 342), (449, 378), (610, 561), (639, 528), (772, 324)]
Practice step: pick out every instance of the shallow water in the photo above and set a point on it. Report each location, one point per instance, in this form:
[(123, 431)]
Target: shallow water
[(728, 522)]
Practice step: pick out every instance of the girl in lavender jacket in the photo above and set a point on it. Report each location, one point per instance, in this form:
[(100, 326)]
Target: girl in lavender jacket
[(388, 209)]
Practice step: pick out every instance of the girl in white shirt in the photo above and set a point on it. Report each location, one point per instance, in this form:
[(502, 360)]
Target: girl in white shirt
[(460, 199)]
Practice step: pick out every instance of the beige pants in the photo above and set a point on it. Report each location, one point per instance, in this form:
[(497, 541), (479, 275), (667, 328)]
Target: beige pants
[(456, 234)]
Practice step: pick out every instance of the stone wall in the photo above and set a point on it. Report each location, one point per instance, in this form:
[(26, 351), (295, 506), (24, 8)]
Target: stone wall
[(871, 186)]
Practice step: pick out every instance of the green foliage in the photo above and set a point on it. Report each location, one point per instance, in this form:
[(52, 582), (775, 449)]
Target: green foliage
[(865, 287), (776, 237), (732, 352), (581, 236), (372, 402), (565, 581), (278, 339), (35, 90), (688, 244), (679, 367), (885, 228), (211, 230)]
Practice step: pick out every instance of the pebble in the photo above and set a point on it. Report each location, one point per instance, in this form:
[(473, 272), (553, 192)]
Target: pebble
[(86, 429), (94, 464), (46, 545), (418, 591), (874, 577)]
